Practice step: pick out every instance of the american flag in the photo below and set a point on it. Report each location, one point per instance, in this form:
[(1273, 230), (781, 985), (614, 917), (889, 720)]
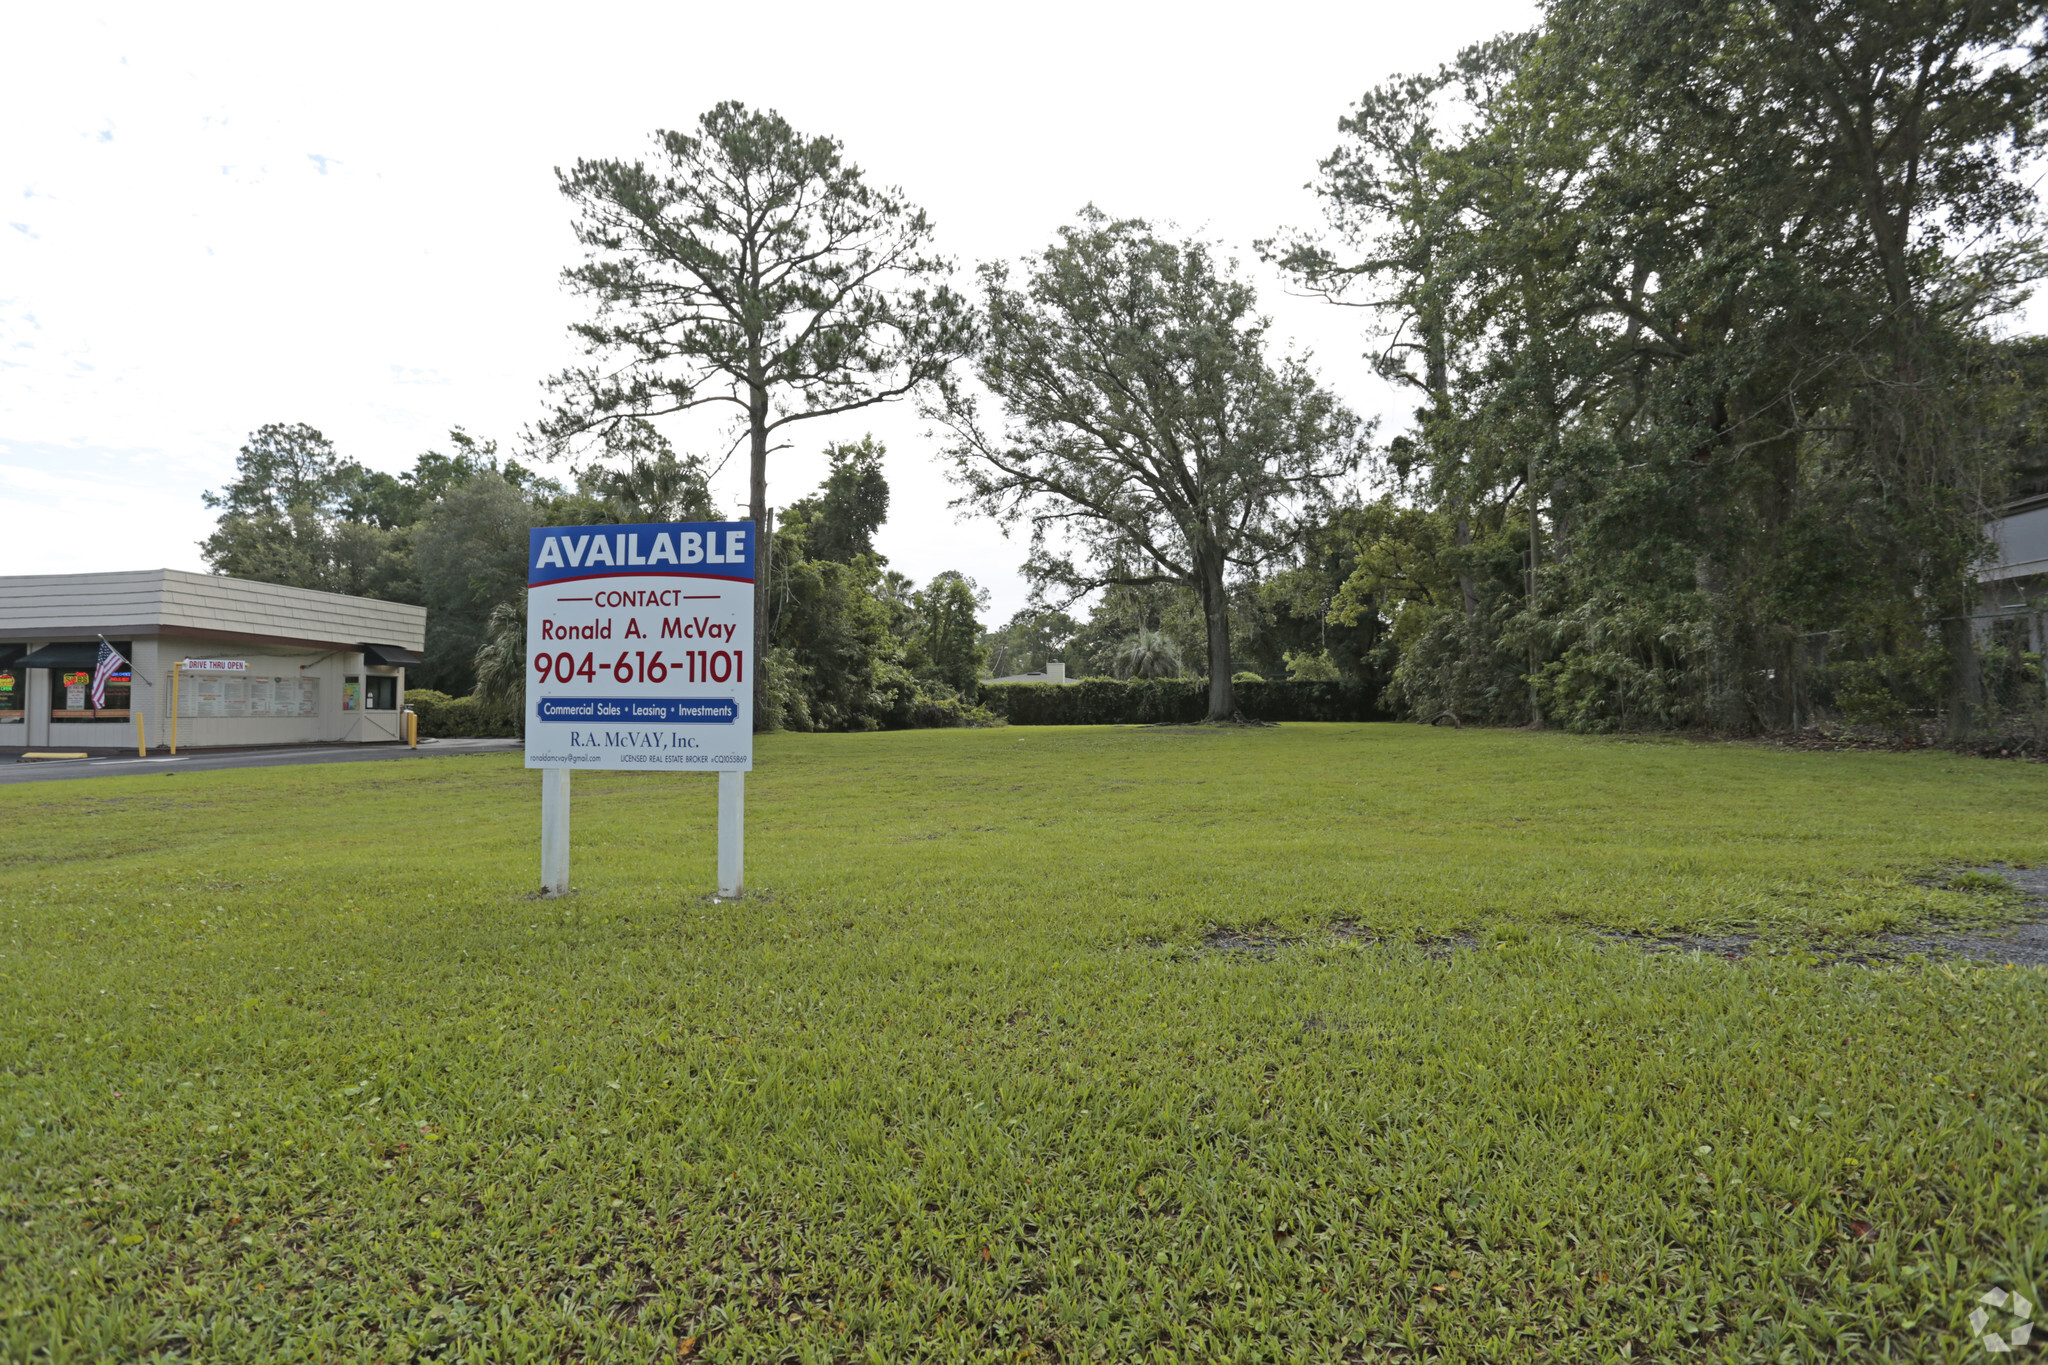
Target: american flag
[(109, 664)]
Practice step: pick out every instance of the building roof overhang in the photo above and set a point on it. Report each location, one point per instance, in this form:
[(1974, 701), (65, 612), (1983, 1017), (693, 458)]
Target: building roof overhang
[(206, 606)]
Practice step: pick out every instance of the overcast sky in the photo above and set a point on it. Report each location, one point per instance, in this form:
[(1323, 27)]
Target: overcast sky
[(348, 215)]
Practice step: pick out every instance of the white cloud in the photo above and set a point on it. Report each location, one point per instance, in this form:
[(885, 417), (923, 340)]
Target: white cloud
[(349, 217)]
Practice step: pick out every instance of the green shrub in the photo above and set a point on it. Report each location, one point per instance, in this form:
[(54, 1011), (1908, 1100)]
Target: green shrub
[(927, 711), (1175, 701), (1098, 701), (445, 717), (1280, 699), (788, 705), (1311, 666), (892, 698), (1882, 694)]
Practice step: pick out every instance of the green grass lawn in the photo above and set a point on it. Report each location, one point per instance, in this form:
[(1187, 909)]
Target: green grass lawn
[(292, 1066)]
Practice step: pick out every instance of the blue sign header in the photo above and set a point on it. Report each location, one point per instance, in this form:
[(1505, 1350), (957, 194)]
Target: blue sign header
[(667, 549)]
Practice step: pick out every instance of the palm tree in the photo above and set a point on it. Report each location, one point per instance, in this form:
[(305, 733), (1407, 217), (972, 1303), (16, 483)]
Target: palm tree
[(501, 661), (1148, 654)]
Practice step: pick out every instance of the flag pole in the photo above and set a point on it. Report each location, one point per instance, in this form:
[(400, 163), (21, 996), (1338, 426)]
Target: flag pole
[(126, 660)]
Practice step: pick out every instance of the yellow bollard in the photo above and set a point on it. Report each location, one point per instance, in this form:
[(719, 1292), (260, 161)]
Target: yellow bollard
[(412, 728), (141, 749)]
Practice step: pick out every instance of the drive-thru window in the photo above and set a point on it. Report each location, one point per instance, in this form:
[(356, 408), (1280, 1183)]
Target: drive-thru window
[(236, 662)]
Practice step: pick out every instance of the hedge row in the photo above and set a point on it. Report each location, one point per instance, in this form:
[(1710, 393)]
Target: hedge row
[(1093, 701), (445, 717), (1174, 701)]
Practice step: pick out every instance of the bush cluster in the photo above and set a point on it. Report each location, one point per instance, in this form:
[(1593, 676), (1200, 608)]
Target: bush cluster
[(881, 695), (1175, 701), (445, 717)]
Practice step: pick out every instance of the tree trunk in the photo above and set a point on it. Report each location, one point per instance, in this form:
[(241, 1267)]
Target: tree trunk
[(1465, 584), (1966, 678), (757, 510), (1711, 581), (1216, 612), (1535, 561), (1437, 380)]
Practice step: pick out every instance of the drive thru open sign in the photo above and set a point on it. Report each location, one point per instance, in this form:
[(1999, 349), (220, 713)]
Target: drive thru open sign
[(640, 657)]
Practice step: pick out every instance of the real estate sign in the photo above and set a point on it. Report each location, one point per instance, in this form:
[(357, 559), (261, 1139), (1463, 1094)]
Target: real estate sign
[(640, 647)]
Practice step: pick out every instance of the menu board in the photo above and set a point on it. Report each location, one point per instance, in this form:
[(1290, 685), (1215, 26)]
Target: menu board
[(236, 697), (74, 691)]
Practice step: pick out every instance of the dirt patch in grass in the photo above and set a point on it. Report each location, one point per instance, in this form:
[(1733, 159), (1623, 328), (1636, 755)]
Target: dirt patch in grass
[(1733, 946), (2031, 880), (1440, 949), (2020, 945), (2024, 944), (1257, 941)]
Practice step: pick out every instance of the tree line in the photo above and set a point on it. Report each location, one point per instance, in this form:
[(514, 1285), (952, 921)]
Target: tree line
[(1700, 306), (449, 534), (854, 644)]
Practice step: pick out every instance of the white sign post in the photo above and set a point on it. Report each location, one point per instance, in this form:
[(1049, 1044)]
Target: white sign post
[(640, 657)]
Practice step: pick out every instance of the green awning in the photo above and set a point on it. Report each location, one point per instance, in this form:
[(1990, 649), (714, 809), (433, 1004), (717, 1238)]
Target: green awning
[(71, 654), (10, 653), (389, 656)]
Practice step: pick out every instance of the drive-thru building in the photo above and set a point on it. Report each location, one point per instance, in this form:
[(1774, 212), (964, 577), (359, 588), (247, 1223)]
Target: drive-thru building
[(233, 662)]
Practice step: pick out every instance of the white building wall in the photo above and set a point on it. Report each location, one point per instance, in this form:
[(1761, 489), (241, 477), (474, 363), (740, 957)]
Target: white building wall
[(36, 732), (331, 725), (2022, 540), (145, 696)]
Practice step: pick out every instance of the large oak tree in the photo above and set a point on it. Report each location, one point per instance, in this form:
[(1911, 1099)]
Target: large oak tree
[(1148, 436)]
